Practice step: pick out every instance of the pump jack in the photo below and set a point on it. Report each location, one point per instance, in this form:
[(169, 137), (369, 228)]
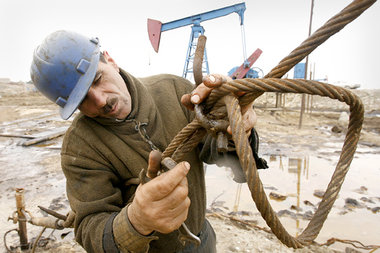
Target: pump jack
[(155, 28)]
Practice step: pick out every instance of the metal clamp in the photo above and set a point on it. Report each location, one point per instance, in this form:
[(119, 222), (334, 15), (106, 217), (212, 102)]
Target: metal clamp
[(185, 235), (216, 126)]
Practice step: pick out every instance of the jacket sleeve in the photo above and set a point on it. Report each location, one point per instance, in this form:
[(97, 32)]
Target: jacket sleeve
[(126, 237)]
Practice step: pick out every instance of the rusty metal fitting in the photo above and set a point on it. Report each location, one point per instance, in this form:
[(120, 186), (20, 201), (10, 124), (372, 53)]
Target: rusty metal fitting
[(217, 127), (13, 218), (22, 231), (212, 125)]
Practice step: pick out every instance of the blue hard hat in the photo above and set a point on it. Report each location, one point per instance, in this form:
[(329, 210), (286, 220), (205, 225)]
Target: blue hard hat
[(64, 67)]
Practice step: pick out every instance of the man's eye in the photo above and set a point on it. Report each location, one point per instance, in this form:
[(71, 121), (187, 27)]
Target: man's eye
[(97, 80)]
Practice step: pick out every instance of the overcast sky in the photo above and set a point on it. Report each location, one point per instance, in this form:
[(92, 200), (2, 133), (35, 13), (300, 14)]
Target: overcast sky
[(274, 26)]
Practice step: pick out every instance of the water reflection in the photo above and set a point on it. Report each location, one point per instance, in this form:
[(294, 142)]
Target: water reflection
[(296, 178)]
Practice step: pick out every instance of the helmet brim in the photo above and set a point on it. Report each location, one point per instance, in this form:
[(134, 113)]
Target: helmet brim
[(80, 90)]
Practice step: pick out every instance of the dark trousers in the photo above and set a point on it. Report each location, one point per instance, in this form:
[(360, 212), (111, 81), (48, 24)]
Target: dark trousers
[(208, 241)]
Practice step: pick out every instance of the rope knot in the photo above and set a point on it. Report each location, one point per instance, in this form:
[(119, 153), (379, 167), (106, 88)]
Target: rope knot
[(216, 123)]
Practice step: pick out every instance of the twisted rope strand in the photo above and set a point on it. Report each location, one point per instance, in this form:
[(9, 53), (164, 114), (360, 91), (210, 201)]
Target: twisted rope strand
[(191, 135), (332, 26), (181, 137), (254, 183), (255, 88)]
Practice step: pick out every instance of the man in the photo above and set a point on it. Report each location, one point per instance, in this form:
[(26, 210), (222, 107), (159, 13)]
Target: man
[(124, 124)]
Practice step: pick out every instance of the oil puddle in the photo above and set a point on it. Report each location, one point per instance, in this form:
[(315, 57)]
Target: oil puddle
[(297, 180)]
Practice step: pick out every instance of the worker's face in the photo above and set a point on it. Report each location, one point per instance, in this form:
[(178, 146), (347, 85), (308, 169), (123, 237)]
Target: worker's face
[(108, 96)]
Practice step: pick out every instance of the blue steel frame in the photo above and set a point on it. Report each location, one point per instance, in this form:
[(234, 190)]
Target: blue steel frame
[(197, 30)]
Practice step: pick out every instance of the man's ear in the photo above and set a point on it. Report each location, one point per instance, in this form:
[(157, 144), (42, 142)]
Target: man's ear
[(110, 60)]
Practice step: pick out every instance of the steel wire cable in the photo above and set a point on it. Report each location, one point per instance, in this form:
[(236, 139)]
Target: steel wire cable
[(249, 166), (191, 134), (332, 26)]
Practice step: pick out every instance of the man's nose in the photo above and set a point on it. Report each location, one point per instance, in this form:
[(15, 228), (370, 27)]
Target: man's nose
[(97, 98)]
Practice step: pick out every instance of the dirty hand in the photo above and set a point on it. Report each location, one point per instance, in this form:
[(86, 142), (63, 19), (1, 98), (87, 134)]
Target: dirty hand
[(161, 204), (203, 90)]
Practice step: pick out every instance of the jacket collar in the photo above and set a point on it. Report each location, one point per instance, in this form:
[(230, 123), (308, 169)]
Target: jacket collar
[(143, 106)]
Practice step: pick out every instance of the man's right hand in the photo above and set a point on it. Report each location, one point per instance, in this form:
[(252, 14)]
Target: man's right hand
[(161, 204)]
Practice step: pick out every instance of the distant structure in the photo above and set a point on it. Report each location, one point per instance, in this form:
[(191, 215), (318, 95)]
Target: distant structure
[(155, 28), (347, 85), (299, 71), (4, 80)]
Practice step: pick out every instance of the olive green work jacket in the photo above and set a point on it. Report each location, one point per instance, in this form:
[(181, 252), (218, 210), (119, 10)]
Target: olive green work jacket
[(100, 155)]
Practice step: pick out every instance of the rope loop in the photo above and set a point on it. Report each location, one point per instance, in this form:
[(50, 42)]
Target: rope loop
[(223, 101)]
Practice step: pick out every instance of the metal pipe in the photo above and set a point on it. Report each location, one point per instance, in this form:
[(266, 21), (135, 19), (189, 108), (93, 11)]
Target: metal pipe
[(22, 232), (306, 68)]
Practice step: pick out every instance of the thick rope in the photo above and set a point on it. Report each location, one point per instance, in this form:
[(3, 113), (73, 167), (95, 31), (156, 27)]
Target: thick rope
[(198, 59), (332, 26), (247, 161), (193, 133), (182, 137), (190, 136)]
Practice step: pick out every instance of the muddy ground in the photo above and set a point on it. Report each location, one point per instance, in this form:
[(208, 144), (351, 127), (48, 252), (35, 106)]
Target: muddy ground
[(36, 168)]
